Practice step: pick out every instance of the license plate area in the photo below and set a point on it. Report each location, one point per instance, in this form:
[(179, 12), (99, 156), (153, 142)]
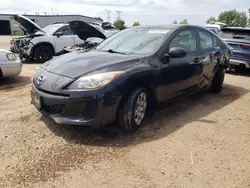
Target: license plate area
[(36, 100)]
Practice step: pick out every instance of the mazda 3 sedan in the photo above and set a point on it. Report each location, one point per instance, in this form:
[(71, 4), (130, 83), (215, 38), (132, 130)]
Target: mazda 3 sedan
[(128, 74)]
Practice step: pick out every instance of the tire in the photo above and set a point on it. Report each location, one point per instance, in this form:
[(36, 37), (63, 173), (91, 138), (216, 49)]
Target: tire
[(218, 80), (43, 53), (24, 60), (130, 115)]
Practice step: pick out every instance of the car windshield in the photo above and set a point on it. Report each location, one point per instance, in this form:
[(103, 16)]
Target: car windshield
[(135, 40), (51, 28)]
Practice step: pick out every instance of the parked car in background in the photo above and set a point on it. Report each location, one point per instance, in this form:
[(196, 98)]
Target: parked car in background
[(215, 27), (128, 74), (91, 36), (43, 43), (239, 40), (9, 64)]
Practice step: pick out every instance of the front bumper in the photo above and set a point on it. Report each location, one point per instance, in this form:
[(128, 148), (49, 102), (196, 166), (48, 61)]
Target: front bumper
[(11, 68), (89, 112), (237, 62)]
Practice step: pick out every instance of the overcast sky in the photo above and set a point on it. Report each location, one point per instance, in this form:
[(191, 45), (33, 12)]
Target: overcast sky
[(145, 11)]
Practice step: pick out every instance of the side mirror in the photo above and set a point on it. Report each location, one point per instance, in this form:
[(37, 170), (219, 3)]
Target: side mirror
[(58, 34), (177, 52)]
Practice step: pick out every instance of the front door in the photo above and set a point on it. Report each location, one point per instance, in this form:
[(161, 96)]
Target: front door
[(182, 75), (64, 39)]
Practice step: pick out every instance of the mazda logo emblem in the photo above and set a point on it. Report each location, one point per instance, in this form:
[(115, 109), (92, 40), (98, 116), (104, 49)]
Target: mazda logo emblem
[(40, 80)]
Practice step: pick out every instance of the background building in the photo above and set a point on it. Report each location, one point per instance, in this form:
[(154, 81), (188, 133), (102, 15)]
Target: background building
[(9, 27)]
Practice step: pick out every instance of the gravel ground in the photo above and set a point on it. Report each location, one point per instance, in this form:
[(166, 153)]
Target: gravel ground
[(199, 141)]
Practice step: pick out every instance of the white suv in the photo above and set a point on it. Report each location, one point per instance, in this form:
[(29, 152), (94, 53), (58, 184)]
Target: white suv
[(42, 43)]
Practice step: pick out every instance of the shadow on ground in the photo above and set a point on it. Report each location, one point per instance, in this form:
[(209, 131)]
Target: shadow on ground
[(13, 83), (169, 118), (241, 72)]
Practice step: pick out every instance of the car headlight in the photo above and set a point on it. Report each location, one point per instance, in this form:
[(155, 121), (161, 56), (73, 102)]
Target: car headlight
[(94, 81), (11, 57)]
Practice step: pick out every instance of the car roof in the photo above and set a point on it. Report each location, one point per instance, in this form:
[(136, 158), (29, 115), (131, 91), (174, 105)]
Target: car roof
[(170, 26)]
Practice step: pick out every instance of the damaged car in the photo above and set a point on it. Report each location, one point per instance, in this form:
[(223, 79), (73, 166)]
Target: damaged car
[(128, 74), (90, 34), (41, 44)]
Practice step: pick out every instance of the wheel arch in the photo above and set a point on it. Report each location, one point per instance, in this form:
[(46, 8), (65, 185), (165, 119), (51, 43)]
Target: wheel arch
[(42, 43), (142, 82)]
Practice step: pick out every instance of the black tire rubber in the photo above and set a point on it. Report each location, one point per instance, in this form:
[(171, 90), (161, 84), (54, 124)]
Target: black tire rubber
[(43, 53), (24, 60), (218, 80), (126, 111)]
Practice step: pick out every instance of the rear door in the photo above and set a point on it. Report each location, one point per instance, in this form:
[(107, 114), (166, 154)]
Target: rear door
[(66, 39), (181, 75), (209, 55)]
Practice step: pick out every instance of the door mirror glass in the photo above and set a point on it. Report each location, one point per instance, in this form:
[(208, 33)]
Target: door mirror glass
[(59, 33), (177, 52)]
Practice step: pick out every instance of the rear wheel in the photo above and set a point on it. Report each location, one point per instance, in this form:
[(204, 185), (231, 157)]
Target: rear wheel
[(43, 53), (132, 111), (218, 80)]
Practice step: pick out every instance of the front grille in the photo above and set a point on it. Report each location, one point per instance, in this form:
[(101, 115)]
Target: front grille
[(53, 109), (53, 93)]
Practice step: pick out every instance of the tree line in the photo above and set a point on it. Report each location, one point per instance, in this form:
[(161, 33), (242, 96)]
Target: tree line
[(232, 18)]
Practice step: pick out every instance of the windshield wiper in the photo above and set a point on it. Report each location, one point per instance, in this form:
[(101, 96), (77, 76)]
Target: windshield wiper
[(115, 52)]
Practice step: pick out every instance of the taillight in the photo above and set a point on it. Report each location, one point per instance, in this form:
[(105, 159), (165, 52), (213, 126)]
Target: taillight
[(244, 57), (246, 45)]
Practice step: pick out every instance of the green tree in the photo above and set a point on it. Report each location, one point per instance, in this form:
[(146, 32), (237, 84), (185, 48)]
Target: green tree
[(184, 21), (136, 24), (119, 24), (249, 17), (233, 18), (211, 20), (175, 22)]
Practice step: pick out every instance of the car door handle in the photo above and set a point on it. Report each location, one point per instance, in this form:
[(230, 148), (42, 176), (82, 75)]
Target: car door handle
[(196, 61)]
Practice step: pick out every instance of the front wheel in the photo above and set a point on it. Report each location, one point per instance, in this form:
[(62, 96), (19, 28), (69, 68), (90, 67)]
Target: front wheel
[(218, 80), (132, 111), (43, 53)]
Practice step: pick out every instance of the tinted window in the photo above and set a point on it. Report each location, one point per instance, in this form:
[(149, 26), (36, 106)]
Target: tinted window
[(206, 40), (65, 30), (185, 39), (235, 33)]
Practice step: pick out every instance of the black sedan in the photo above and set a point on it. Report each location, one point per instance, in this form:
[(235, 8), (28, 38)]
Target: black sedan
[(128, 74)]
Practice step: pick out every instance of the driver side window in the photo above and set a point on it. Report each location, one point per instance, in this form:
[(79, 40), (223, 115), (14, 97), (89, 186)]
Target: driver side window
[(185, 39), (65, 30)]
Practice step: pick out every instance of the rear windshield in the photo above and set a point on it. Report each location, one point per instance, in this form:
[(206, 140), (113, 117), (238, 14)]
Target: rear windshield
[(235, 33)]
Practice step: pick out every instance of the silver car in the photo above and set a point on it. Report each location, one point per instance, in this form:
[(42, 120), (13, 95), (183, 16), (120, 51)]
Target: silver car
[(9, 64)]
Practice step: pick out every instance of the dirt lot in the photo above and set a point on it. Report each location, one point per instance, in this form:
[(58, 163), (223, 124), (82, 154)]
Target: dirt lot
[(200, 141)]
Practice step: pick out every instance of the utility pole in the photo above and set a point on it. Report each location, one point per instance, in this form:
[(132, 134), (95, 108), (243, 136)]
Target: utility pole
[(108, 14), (119, 14)]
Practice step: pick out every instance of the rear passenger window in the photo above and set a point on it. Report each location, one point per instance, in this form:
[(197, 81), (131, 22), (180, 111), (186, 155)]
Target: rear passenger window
[(206, 40), (185, 39), (215, 41)]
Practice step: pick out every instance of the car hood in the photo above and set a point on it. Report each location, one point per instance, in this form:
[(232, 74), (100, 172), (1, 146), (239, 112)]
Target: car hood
[(84, 30), (26, 24), (76, 64)]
